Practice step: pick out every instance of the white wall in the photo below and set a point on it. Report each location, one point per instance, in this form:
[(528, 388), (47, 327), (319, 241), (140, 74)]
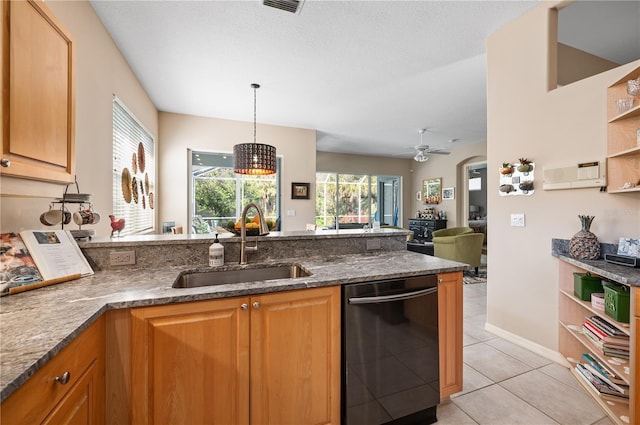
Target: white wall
[(552, 128), (101, 71), (296, 146), (451, 169)]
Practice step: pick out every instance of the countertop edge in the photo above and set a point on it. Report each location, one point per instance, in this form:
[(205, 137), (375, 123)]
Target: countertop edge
[(139, 298), (616, 273)]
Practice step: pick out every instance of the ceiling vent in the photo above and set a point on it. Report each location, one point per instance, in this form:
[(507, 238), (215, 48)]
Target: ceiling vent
[(293, 6)]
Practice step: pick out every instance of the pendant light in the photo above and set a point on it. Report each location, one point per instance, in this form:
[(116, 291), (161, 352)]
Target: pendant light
[(254, 158)]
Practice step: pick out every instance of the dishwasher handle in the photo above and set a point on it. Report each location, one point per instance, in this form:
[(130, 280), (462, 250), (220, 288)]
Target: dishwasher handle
[(395, 297)]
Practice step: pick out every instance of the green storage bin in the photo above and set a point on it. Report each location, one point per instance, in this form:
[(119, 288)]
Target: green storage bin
[(584, 285), (616, 302)]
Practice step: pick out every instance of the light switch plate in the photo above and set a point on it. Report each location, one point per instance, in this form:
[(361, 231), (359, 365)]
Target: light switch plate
[(291, 213), (517, 220)]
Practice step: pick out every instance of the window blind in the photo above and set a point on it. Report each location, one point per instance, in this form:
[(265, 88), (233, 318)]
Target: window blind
[(134, 196)]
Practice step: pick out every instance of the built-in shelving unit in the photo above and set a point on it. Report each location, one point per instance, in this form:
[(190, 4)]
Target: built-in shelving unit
[(623, 143), (573, 343)]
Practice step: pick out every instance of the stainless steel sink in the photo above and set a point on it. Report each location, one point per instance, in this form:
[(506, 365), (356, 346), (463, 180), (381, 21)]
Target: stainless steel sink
[(241, 274)]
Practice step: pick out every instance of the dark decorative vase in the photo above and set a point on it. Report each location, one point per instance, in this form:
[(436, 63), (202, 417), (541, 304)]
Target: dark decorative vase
[(584, 245)]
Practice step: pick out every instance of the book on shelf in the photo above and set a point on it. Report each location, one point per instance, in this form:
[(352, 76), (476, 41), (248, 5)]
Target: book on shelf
[(52, 255), (597, 384), (610, 397), (598, 331), (607, 327), (604, 370), (604, 381), (606, 349)]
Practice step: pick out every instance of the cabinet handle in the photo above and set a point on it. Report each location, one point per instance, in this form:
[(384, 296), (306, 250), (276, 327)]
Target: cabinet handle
[(5, 163), (244, 306), (440, 280), (64, 378), (256, 304)]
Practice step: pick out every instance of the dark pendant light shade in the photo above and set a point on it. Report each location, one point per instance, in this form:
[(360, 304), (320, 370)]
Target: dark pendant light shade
[(254, 158)]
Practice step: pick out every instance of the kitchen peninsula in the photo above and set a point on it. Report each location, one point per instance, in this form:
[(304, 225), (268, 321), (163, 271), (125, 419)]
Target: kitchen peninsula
[(37, 325)]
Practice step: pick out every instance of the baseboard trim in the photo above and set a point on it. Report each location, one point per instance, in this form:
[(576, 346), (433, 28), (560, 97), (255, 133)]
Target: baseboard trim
[(545, 352)]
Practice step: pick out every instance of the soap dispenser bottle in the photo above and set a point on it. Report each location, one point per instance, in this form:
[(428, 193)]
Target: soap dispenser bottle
[(216, 253)]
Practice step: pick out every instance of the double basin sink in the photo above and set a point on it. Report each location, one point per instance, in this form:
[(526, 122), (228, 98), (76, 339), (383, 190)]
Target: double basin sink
[(239, 274)]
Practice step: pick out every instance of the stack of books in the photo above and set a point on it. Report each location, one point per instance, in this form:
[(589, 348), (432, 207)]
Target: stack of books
[(610, 340), (606, 384)]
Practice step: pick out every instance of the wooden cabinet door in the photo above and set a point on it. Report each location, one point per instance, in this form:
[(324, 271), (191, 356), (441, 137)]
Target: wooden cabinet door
[(79, 398), (82, 404), (450, 328), (295, 357), (38, 94), (190, 363)]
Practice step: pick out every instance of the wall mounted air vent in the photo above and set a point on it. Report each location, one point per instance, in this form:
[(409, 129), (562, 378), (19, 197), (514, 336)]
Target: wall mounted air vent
[(586, 174), (293, 6)]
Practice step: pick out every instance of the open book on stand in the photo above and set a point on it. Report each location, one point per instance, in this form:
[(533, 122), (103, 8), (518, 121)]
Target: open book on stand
[(36, 258)]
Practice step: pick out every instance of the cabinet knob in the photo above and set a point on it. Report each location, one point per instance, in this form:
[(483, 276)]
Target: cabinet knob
[(5, 162), (64, 378), (244, 306), (256, 304), (440, 280)]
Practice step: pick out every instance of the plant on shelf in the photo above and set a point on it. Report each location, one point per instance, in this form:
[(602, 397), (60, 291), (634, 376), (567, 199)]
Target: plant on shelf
[(506, 169), (525, 165)]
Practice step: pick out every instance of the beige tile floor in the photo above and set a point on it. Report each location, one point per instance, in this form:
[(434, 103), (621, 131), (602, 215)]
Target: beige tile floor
[(505, 384)]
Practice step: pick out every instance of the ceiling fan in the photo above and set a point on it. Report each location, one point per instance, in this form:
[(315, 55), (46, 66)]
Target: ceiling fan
[(423, 150)]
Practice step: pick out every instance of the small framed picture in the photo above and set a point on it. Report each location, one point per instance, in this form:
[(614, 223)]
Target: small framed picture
[(419, 195), (300, 190), (448, 193)]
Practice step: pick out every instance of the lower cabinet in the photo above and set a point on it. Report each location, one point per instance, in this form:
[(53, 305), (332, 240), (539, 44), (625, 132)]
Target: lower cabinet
[(450, 318), (267, 359), (69, 389)]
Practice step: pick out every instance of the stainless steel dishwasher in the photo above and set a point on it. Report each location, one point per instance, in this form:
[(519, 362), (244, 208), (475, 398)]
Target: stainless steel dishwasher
[(390, 362)]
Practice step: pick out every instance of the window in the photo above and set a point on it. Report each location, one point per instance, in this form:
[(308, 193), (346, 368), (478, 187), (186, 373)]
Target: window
[(355, 200), (475, 183), (218, 195), (133, 172)]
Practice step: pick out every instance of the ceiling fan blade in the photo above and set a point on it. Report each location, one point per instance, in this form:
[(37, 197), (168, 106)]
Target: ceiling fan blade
[(438, 152)]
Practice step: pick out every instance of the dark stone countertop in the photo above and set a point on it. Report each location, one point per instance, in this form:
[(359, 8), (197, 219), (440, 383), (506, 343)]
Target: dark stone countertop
[(625, 275), (35, 325)]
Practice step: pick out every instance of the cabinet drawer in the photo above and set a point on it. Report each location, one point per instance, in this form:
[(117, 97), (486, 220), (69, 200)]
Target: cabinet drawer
[(33, 401)]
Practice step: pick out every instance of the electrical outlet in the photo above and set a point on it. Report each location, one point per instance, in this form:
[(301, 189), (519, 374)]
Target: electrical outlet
[(517, 220), (122, 258), (373, 244)]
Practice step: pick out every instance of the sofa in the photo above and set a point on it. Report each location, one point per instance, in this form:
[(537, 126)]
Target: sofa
[(460, 244)]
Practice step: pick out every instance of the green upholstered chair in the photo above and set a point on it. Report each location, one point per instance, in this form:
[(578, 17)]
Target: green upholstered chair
[(459, 244), (452, 231)]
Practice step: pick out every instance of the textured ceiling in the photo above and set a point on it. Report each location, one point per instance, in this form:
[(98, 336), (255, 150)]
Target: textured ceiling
[(367, 75)]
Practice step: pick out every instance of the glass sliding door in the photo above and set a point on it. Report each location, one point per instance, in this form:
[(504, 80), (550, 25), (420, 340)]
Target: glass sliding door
[(350, 201)]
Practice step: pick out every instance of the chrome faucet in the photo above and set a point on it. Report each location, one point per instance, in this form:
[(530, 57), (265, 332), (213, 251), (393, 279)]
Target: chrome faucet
[(263, 230)]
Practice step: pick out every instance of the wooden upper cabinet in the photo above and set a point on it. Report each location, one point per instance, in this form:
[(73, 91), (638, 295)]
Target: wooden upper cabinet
[(38, 106)]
